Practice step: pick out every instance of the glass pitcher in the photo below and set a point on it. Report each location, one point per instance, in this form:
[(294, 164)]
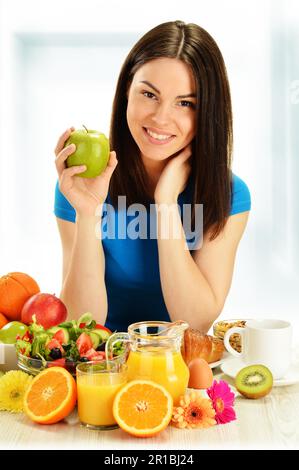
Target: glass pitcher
[(154, 353)]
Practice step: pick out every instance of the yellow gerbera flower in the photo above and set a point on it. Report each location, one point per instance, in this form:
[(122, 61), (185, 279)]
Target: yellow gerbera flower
[(13, 386), (194, 411)]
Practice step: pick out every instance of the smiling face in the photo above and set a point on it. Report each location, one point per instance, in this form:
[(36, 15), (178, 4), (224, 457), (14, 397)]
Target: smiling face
[(161, 112)]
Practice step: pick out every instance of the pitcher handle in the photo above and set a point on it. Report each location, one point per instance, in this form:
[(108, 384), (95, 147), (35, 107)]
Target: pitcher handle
[(115, 338)]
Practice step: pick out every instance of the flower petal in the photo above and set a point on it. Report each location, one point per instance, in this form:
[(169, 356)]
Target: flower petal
[(226, 416), (223, 391)]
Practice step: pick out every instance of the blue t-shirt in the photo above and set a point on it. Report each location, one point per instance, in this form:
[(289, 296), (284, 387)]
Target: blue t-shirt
[(131, 262)]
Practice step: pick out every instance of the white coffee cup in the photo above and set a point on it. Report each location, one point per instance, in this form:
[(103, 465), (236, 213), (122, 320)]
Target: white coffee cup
[(266, 342)]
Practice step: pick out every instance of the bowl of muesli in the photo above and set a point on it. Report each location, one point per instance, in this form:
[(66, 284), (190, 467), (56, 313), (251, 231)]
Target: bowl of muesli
[(222, 326)]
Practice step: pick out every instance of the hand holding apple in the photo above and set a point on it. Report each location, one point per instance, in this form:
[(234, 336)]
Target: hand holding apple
[(84, 194)]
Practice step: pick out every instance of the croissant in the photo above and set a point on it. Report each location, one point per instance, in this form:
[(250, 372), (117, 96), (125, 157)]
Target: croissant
[(199, 345)]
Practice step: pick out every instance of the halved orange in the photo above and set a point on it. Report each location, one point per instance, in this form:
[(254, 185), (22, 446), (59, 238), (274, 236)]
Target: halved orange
[(51, 396), (143, 408)]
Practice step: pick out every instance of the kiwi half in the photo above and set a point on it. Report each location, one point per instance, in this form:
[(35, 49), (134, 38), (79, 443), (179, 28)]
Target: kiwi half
[(254, 381)]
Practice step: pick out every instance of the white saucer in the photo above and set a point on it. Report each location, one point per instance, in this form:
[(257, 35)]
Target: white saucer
[(232, 367), (225, 357)]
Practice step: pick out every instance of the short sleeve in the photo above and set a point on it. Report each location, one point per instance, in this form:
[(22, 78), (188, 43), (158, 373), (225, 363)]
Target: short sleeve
[(241, 200), (62, 208)]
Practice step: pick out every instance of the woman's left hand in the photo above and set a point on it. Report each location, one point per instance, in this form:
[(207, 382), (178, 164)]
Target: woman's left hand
[(174, 177)]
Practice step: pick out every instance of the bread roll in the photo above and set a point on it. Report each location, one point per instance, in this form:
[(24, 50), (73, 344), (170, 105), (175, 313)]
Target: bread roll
[(199, 345)]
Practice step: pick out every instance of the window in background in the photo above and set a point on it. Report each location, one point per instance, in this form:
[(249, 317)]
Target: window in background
[(58, 81)]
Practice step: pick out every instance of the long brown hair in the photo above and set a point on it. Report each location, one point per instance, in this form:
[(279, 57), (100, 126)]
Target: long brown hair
[(213, 143)]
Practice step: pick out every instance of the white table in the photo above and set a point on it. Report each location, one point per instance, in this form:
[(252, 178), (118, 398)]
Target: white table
[(267, 423)]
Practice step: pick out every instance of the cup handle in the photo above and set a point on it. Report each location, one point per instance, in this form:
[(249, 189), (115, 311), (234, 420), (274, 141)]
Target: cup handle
[(113, 339), (231, 331)]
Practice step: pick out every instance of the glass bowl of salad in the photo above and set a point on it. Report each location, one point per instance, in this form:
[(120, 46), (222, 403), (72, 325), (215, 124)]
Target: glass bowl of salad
[(65, 345)]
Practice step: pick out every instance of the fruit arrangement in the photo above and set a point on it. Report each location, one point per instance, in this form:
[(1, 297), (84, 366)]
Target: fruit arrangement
[(35, 322), (50, 347)]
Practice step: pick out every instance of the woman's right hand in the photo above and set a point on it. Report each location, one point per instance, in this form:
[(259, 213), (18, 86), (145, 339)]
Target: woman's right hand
[(84, 194)]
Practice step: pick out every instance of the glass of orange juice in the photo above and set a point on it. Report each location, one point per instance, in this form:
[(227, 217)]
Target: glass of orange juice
[(97, 384)]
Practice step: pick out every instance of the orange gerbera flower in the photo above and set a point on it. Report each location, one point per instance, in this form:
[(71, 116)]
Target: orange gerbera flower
[(194, 411)]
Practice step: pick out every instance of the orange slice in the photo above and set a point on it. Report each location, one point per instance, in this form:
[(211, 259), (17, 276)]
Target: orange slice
[(143, 408), (51, 396)]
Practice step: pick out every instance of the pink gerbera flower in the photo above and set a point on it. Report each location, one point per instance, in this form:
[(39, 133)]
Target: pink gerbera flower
[(223, 400)]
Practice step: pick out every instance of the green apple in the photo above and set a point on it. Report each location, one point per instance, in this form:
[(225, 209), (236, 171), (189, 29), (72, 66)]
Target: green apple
[(92, 150), (9, 332)]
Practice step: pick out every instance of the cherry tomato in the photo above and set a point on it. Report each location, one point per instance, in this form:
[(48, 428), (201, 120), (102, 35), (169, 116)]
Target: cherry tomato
[(84, 343)]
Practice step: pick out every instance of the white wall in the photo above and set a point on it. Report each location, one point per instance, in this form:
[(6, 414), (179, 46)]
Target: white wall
[(59, 62)]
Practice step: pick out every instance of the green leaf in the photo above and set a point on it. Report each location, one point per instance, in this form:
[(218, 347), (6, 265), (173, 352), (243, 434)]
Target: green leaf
[(118, 349), (85, 318), (39, 344), (35, 329), (73, 351), (66, 324), (91, 325), (74, 333), (23, 347)]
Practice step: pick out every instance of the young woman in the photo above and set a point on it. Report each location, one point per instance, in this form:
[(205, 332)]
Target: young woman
[(171, 135)]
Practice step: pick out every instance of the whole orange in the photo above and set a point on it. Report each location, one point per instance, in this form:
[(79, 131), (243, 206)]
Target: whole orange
[(15, 289)]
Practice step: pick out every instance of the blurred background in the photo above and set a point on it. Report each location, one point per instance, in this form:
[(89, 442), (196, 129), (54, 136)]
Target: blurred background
[(59, 63)]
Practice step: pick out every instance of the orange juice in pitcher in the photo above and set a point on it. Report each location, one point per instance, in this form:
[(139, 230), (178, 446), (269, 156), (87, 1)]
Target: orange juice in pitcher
[(155, 354)]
